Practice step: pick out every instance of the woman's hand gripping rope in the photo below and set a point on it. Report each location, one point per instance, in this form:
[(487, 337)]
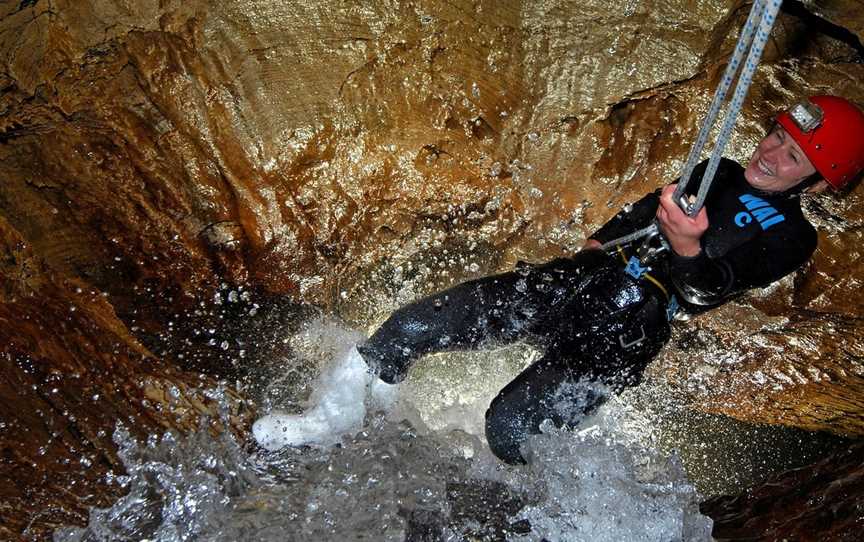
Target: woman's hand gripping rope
[(683, 232)]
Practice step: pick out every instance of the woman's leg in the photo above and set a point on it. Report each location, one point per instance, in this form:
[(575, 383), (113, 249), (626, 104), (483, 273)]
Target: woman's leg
[(559, 387), (503, 307), (548, 389)]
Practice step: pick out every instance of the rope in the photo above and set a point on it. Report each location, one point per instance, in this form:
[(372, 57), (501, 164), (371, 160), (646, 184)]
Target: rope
[(753, 37), (769, 15), (647, 231), (744, 40)]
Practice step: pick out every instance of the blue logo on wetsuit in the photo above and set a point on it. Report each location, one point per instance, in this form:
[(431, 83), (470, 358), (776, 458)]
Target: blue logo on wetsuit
[(759, 209)]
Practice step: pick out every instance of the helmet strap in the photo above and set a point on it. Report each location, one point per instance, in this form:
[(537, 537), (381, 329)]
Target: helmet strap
[(799, 188)]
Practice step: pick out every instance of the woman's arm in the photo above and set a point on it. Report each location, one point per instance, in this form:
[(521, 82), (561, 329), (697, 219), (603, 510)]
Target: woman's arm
[(683, 232), (628, 220)]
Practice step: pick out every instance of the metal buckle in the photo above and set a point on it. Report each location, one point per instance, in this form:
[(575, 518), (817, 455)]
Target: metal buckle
[(685, 204), (672, 308), (634, 268), (649, 250), (807, 116)]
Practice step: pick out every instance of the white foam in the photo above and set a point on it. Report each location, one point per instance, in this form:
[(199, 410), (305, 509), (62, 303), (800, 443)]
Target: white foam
[(599, 490), (339, 407)]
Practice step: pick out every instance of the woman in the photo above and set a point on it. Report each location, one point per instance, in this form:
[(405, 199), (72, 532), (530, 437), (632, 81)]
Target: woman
[(603, 316)]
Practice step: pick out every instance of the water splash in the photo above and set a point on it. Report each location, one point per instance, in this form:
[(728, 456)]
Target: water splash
[(605, 491), (390, 481), (179, 488), (387, 479), (339, 407)]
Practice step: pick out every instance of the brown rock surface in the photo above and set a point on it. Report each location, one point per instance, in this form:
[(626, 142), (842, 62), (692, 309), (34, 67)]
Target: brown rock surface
[(819, 502), (71, 373), (165, 148), (837, 13), (324, 150)]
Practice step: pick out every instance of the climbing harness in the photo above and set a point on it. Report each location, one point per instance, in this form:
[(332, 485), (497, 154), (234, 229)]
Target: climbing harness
[(753, 37)]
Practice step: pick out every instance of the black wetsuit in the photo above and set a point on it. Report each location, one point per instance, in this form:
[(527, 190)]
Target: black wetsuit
[(598, 315)]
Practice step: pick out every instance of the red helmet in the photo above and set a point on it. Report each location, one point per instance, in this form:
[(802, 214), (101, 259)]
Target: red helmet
[(830, 131)]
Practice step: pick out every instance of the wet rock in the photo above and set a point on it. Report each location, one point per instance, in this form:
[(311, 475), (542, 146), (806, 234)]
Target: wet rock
[(71, 372), (819, 502), (131, 133), (846, 23), (312, 149), (801, 368)]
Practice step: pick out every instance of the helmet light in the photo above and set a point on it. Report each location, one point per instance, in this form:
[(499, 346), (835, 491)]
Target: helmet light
[(807, 116), (830, 132)]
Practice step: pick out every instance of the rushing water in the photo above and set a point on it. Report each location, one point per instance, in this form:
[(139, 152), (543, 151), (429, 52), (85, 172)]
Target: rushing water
[(381, 467)]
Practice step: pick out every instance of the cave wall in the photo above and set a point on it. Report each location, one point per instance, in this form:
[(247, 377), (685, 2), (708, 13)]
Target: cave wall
[(152, 150), (818, 502), (159, 148), (175, 142), (71, 372)]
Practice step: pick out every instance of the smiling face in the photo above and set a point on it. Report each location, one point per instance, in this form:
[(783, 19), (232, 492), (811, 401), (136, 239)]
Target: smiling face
[(778, 163)]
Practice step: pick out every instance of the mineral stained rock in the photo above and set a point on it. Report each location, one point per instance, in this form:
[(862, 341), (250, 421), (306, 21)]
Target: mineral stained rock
[(154, 149), (820, 502), (167, 147), (71, 372)]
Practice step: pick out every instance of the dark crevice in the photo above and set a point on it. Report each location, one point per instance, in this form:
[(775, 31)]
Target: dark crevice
[(819, 25)]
